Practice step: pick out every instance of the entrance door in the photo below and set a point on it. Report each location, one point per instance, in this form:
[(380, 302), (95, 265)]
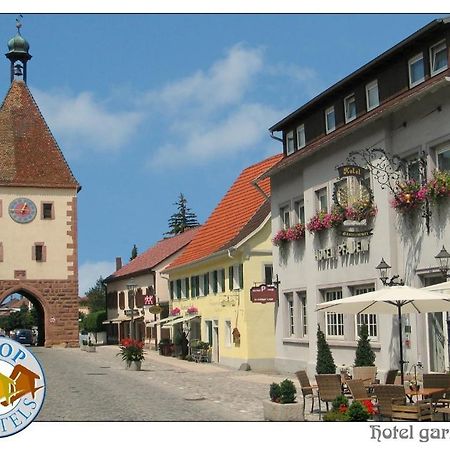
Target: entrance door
[(437, 335)]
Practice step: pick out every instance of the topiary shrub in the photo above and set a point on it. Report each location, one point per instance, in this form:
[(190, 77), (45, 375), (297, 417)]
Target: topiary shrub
[(365, 356), (339, 401), (275, 392), (287, 391), (325, 361)]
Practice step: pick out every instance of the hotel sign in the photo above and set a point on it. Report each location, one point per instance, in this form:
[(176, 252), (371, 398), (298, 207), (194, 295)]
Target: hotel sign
[(263, 294), (350, 247)]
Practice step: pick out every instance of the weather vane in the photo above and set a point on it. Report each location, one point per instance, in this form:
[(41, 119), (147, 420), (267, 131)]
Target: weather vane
[(18, 22)]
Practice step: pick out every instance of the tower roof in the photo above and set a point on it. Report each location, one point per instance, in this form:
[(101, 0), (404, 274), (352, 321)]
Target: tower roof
[(29, 154)]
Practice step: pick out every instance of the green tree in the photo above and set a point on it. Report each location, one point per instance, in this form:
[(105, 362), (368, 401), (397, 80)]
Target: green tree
[(365, 356), (325, 361), (183, 219), (18, 319), (134, 252), (96, 297), (93, 322)]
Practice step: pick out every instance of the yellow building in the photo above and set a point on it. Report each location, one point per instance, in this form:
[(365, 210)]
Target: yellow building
[(210, 281)]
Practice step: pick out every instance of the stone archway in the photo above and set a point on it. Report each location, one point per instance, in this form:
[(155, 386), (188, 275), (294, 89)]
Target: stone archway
[(57, 308)]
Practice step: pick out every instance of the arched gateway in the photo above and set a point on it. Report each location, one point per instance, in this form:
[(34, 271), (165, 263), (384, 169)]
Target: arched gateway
[(38, 210)]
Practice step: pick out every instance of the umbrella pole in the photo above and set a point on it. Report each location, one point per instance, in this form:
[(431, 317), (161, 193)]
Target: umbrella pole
[(402, 375)]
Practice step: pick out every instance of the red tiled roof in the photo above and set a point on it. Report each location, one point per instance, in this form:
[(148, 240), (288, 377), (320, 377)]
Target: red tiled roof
[(155, 255), (29, 154), (231, 215)]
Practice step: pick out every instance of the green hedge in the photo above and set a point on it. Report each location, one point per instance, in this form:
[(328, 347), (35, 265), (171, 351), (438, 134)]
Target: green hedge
[(93, 321)]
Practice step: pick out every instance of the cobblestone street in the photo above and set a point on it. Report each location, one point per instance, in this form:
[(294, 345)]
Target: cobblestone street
[(85, 386)]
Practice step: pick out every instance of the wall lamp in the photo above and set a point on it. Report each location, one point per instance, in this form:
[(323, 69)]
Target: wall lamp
[(443, 257), (395, 280)]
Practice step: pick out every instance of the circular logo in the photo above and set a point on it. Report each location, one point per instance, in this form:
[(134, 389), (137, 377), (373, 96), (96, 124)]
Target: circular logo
[(22, 387)]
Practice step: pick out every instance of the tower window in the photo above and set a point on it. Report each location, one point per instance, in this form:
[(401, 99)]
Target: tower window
[(39, 252), (47, 211)]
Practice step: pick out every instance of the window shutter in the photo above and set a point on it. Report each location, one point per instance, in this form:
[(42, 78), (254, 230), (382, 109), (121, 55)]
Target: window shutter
[(1, 251), (44, 253), (33, 253), (222, 275), (241, 276), (214, 281), (171, 290), (186, 282), (206, 283), (230, 278)]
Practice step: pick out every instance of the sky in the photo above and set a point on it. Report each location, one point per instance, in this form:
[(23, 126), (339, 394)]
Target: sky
[(148, 106)]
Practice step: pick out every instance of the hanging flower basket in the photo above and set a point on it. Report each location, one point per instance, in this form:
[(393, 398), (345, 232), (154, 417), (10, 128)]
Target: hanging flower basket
[(439, 187), (409, 196), (175, 311), (192, 310), (324, 220)]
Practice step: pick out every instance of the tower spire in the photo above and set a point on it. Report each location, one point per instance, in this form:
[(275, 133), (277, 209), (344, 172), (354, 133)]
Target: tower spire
[(18, 53)]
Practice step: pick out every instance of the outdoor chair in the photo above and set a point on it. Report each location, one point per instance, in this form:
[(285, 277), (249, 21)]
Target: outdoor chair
[(391, 376), (384, 394), (438, 380), (357, 390), (329, 386), (365, 373), (420, 411), (306, 388)]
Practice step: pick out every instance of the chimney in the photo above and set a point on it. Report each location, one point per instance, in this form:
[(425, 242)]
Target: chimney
[(118, 263)]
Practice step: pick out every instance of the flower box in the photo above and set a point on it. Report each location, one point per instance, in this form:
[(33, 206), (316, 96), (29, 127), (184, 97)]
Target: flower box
[(323, 220), (192, 310), (175, 311)]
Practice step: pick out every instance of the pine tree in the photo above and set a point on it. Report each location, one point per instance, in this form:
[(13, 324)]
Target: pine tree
[(134, 252), (183, 219), (365, 356), (95, 300), (325, 361)]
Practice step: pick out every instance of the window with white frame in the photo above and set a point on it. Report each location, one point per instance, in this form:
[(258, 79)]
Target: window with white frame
[(413, 168), (184, 287), (302, 316), (299, 209), (228, 333), (350, 108), (201, 287), (213, 283), (438, 58), (268, 274), (330, 120), (322, 199), (416, 68), (334, 322), (236, 276), (290, 322), (372, 98), (301, 141), (284, 216), (221, 280), (178, 289), (366, 319), (443, 157), (290, 143)]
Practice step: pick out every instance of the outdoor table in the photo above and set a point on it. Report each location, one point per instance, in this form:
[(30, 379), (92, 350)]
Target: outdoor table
[(423, 392)]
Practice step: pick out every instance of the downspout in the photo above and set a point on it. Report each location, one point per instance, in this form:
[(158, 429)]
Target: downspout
[(154, 315)]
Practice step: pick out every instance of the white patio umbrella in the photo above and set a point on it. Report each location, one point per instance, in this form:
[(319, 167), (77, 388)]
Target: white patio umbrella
[(441, 287), (391, 300)]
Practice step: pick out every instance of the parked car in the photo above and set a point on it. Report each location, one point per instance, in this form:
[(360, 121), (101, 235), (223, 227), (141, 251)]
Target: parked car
[(23, 336)]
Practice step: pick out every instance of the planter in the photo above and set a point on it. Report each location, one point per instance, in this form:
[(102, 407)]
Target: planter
[(90, 348), (287, 412), (133, 365), (83, 347)]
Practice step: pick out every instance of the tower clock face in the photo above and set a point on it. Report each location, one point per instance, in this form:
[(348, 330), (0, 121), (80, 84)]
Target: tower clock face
[(22, 210)]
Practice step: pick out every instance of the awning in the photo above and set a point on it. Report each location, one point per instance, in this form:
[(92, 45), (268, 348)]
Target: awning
[(157, 322), (181, 319)]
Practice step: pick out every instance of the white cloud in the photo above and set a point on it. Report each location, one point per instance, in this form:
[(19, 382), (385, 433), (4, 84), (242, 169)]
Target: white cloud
[(245, 127), (224, 83), (82, 123), (89, 272)]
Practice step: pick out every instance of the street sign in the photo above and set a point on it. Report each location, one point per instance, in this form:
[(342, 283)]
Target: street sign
[(129, 312), (263, 294)]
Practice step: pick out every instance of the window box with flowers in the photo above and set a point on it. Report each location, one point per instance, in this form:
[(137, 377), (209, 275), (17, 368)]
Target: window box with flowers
[(438, 188), (409, 196), (192, 310), (296, 232), (323, 220), (280, 238), (175, 311)]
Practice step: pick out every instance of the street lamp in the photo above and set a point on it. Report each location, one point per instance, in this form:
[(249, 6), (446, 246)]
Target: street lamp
[(384, 267), (131, 286), (443, 257)]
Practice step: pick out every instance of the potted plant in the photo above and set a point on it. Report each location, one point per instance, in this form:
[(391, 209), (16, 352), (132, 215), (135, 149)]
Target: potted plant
[(132, 352), (439, 187), (90, 347), (282, 405), (358, 411), (280, 238), (323, 220), (325, 361), (409, 196), (296, 232)]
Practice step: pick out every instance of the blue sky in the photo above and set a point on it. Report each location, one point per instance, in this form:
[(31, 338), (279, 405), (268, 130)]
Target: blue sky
[(145, 106)]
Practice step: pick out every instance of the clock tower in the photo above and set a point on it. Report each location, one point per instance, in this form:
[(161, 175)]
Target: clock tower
[(38, 210)]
